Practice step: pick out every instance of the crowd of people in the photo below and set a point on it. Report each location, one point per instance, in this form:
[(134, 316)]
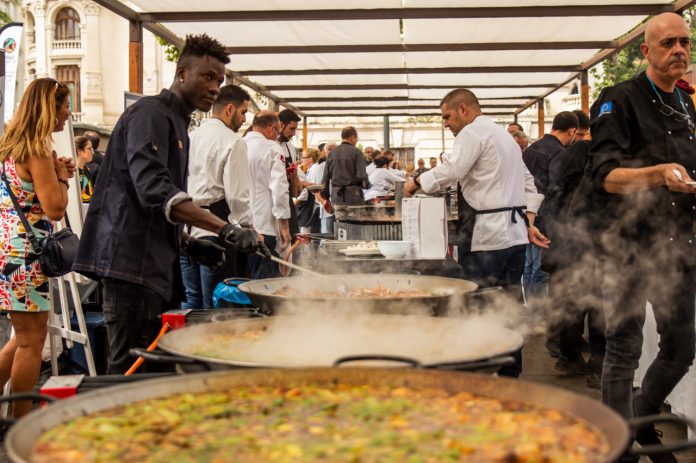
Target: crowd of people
[(583, 227)]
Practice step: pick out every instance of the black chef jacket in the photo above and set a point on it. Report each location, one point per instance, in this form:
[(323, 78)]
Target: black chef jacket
[(628, 130), (537, 157), (126, 235)]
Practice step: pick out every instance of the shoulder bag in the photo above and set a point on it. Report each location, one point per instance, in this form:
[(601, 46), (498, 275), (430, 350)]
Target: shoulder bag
[(56, 251)]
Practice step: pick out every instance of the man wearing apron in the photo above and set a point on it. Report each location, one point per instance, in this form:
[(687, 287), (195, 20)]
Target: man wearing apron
[(497, 198)]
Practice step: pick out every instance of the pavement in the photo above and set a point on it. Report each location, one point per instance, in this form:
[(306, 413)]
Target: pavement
[(538, 366)]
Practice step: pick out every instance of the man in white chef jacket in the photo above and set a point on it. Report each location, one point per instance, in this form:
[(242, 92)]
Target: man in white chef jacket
[(269, 197), (497, 197), (219, 182)]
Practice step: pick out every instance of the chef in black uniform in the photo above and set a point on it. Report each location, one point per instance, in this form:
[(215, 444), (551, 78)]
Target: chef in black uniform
[(643, 156)]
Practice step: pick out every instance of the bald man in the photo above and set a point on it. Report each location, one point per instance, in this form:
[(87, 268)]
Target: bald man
[(643, 157)]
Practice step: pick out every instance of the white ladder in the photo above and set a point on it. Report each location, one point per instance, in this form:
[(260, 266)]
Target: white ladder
[(59, 324)]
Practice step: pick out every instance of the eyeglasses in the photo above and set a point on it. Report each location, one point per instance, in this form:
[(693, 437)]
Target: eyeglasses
[(667, 110)]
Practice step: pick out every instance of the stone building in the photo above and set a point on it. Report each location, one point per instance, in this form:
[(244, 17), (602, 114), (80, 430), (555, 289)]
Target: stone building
[(86, 46)]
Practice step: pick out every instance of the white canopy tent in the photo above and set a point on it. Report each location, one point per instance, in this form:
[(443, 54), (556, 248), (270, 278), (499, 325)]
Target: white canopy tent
[(399, 57)]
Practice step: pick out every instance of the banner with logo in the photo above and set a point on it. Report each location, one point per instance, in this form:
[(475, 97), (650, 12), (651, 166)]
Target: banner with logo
[(10, 38)]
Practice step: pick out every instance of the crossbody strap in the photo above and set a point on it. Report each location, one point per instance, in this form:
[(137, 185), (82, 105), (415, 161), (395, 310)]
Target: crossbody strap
[(35, 246)]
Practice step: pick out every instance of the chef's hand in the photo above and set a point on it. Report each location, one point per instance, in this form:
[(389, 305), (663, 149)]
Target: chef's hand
[(263, 249), (205, 252), (410, 188), (538, 238), (675, 178), (241, 239)]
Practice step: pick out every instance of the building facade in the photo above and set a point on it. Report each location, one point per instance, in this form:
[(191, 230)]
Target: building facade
[(85, 46)]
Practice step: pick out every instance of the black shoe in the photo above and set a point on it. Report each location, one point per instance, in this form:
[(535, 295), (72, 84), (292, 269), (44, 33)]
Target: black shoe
[(571, 367), (594, 380), (650, 436), (553, 347)]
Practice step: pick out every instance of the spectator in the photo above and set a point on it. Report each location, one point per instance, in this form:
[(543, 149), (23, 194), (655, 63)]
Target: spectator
[(25, 153), (84, 158), (98, 157), (421, 167)]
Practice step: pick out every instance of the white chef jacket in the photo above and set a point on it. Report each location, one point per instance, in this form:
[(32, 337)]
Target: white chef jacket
[(269, 197), (381, 181), (370, 168), (486, 161), (289, 151), (218, 169)]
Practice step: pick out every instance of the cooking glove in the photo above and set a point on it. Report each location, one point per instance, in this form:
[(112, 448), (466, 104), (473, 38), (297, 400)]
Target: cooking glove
[(240, 239), (205, 252), (263, 249)]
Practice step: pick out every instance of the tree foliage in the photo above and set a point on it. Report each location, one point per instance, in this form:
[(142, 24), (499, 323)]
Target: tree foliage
[(630, 61), (5, 17), (171, 52)]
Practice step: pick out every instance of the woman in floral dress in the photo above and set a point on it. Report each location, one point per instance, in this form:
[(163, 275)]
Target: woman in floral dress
[(39, 181)]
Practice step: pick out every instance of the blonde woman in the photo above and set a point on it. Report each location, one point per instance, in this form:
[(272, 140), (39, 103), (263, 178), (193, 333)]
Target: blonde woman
[(39, 181)]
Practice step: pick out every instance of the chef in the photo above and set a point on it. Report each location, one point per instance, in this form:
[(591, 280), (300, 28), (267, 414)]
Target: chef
[(497, 199), (133, 230)]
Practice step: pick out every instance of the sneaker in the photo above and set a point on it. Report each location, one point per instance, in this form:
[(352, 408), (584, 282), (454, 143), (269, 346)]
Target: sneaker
[(650, 436), (593, 380), (571, 367), (553, 347)]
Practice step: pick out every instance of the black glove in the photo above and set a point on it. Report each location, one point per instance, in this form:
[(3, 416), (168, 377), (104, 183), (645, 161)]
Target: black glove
[(205, 252), (240, 239), (263, 249)]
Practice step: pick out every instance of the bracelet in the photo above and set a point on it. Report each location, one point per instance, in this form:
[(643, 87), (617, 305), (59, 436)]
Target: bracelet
[(64, 182)]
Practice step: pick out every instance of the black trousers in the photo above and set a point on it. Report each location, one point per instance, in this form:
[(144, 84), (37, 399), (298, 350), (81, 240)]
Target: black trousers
[(131, 314)]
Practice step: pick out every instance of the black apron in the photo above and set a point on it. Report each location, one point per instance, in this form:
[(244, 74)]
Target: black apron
[(467, 219), (293, 222)]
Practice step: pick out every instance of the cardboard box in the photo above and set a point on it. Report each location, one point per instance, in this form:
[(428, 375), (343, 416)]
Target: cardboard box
[(424, 224)]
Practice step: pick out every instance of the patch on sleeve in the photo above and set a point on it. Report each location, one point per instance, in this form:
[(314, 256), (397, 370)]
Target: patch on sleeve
[(605, 108)]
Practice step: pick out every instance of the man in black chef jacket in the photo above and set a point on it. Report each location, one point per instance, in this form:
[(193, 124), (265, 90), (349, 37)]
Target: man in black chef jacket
[(133, 230), (643, 153)]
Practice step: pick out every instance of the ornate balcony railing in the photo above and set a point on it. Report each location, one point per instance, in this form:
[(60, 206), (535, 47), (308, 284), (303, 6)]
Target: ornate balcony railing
[(67, 45)]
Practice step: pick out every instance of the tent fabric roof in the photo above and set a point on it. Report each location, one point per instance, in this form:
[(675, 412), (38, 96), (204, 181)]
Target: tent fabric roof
[(397, 57)]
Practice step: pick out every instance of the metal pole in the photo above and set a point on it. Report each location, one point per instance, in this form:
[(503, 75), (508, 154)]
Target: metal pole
[(387, 133)]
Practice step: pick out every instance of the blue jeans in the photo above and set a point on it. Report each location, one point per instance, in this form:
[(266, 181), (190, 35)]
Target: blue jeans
[(672, 296), (199, 284), (497, 268), (534, 280)]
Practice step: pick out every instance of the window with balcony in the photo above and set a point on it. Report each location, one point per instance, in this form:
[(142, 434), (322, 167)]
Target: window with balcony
[(70, 76), (67, 36)]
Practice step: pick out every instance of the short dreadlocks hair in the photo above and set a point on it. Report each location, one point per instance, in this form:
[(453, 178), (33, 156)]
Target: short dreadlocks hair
[(202, 45)]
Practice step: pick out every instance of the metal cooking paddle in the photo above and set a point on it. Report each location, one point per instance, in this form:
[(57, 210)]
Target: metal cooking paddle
[(342, 288)]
